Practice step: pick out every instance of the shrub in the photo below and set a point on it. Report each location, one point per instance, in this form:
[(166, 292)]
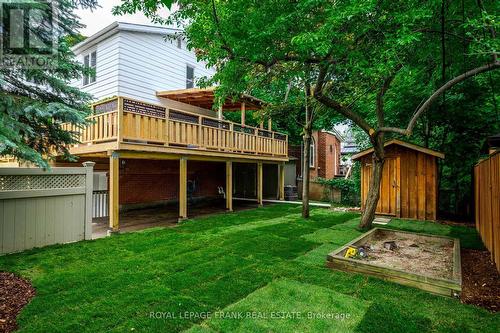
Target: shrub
[(350, 188)]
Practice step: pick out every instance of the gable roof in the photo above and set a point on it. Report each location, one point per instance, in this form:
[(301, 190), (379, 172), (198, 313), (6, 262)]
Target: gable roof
[(122, 26), (403, 144), (334, 132)]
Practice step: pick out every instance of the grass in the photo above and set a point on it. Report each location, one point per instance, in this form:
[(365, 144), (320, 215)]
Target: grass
[(264, 265)]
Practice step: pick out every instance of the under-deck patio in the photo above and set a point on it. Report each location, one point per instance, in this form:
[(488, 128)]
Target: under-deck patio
[(162, 216)]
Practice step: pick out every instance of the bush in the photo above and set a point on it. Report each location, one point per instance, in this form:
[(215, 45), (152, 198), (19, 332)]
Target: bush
[(350, 188)]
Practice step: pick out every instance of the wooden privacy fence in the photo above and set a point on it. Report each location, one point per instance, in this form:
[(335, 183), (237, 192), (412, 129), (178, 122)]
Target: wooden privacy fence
[(487, 203), (39, 208)]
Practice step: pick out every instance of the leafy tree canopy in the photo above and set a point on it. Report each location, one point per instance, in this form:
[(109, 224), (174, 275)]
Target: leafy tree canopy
[(373, 62)]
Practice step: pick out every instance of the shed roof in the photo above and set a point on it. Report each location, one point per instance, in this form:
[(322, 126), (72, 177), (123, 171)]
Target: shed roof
[(205, 98), (403, 144)]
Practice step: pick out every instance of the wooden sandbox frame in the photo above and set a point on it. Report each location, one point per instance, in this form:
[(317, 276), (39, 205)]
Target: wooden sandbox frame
[(447, 287)]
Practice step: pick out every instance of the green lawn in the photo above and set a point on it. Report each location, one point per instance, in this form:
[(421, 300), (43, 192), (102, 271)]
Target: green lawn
[(258, 270)]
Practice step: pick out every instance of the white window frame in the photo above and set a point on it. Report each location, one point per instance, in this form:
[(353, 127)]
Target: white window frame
[(312, 153), (189, 82), (87, 63)]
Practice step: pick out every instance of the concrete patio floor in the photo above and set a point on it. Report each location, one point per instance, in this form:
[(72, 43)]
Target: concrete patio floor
[(163, 216)]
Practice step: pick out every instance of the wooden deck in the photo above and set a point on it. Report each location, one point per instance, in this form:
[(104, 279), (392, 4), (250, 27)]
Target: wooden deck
[(122, 123)]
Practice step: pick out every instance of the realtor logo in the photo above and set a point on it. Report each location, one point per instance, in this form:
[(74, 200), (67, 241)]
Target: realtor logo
[(28, 30)]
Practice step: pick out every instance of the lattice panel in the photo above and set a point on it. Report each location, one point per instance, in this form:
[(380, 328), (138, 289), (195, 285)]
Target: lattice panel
[(40, 182), (279, 136), (215, 123), (106, 107), (265, 134), (143, 108), (248, 130), (174, 115)]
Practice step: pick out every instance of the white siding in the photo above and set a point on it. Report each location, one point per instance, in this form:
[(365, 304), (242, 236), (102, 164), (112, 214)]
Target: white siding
[(106, 84), (138, 64), (150, 63)]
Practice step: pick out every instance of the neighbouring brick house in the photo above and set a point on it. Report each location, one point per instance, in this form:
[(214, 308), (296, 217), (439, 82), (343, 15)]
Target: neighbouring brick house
[(324, 161)]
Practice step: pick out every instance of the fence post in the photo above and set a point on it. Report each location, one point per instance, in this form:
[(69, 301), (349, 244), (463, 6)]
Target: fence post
[(89, 188)]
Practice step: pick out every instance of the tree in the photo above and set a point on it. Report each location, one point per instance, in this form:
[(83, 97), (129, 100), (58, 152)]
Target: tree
[(296, 107), (356, 51), (35, 101)]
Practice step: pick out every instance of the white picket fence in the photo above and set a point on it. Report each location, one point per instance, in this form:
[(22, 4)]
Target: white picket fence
[(100, 200)]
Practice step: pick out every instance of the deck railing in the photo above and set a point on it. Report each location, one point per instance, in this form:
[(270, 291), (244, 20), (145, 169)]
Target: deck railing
[(127, 120)]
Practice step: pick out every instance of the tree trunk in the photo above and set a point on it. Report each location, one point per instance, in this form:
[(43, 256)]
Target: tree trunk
[(305, 173), (372, 198)]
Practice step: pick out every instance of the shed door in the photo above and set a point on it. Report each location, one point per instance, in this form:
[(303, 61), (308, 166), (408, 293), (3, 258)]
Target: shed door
[(388, 203)]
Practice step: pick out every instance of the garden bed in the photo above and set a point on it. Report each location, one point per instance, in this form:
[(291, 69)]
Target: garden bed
[(428, 262)]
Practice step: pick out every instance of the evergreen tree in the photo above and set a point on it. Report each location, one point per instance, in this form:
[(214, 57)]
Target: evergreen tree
[(35, 101)]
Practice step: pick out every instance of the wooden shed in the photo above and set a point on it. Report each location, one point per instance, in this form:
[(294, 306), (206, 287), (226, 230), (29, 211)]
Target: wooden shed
[(409, 187)]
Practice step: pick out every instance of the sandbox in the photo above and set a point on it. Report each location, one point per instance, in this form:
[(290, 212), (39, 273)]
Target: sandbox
[(428, 262)]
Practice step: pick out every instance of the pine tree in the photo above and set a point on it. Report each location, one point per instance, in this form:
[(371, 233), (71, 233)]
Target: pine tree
[(35, 101)]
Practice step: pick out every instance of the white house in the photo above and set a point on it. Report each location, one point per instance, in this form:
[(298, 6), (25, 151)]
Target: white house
[(136, 61)]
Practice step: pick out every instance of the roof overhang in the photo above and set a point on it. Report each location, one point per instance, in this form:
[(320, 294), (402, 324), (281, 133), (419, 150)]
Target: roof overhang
[(205, 98), (403, 144), (122, 26)]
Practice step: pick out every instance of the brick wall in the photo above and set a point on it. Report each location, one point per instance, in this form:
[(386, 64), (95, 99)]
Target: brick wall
[(143, 181), (327, 156), (328, 151)]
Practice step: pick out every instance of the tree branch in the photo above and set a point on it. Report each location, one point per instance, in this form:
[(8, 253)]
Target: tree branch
[(346, 112), (380, 95), (424, 106), (445, 87)]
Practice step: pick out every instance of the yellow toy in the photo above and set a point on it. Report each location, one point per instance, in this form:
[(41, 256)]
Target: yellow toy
[(350, 252)]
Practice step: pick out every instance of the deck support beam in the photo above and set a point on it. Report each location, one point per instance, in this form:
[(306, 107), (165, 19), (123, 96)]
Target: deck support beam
[(182, 188), (229, 186), (281, 181), (259, 183), (114, 189)]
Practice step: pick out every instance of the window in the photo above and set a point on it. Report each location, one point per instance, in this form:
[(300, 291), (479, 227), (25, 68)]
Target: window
[(90, 62), (189, 77), (312, 153)]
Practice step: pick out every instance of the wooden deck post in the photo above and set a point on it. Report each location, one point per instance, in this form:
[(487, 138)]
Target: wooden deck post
[(281, 181), (259, 183), (219, 111), (243, 111), (269, 124), (114, 189), (229, 186), (120, 120), (182, 188)]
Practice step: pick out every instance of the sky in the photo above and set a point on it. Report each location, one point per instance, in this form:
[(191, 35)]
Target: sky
[(101, 17)]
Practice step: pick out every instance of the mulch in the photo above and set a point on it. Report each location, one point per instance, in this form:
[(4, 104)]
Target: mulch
[(15, 293), (480, 280)]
